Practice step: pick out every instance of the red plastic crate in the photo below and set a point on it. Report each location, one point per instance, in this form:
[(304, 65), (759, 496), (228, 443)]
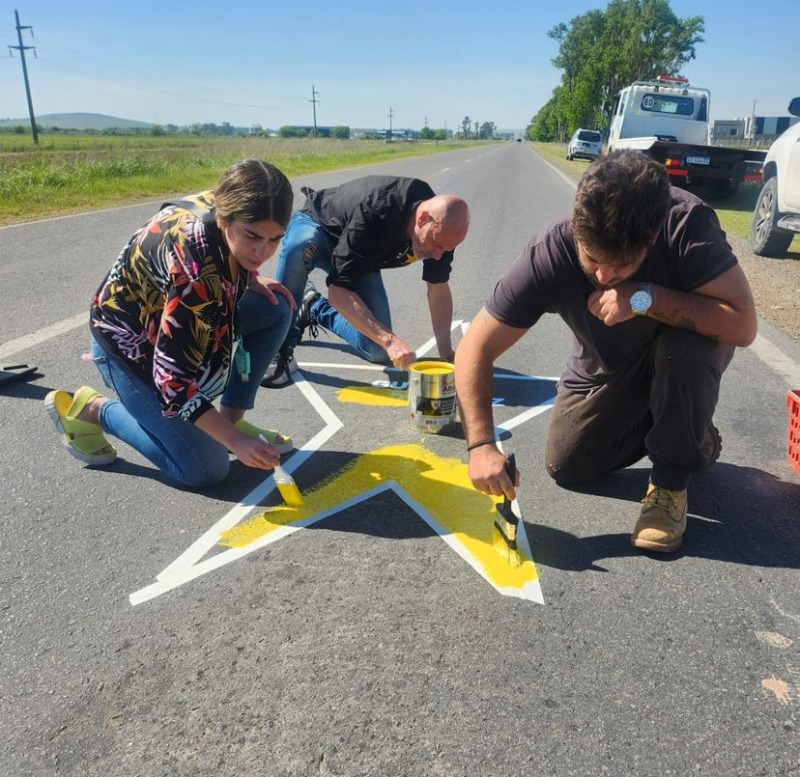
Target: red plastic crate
[(793, 451)]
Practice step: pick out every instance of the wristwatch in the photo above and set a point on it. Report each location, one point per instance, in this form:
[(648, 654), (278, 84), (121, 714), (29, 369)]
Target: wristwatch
[(641, 299)]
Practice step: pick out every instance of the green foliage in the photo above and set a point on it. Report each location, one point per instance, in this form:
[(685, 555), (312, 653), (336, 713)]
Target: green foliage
[(600, 52), (487, 130)]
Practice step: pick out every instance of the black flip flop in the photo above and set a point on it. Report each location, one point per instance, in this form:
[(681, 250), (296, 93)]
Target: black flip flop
[(15, 372)]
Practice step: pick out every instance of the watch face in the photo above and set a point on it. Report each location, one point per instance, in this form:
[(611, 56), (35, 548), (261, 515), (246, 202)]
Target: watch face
[(641, 301)]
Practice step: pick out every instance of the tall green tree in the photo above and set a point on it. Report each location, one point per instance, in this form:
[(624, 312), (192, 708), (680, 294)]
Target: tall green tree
[(602, 51)]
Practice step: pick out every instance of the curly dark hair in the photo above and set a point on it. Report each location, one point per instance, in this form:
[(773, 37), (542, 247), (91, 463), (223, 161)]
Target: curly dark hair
[(252, 190), (621, 204)]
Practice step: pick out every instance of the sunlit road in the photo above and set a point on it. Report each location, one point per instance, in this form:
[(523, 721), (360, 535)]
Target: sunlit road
[(135, 641)]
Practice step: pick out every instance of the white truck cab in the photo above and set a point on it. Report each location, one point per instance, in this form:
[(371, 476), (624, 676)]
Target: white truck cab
[(669, 120), (666, 108), (776, 217)]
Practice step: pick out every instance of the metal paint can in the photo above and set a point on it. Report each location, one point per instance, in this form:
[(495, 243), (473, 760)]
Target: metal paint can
[(431, 396)]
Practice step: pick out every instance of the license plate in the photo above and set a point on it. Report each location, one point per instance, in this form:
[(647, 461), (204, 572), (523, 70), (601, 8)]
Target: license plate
[(698, 160)]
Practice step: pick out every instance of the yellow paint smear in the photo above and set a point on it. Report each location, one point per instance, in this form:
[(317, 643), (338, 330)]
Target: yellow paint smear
[(370, 395), (441, 486)]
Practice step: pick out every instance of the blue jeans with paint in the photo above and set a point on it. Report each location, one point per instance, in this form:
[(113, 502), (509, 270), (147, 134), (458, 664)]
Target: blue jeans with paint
[(179, 448), (307, 246)]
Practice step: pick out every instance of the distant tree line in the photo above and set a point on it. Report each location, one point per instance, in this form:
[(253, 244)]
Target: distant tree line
[(600, 52)]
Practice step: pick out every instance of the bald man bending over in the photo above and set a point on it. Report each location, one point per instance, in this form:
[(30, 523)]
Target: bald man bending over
[(352, 232)]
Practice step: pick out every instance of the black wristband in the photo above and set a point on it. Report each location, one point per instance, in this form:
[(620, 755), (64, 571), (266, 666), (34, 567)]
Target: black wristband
[(481, 443)]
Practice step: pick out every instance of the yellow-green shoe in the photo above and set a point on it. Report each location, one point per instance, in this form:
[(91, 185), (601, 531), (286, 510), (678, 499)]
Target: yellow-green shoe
[(280, 442), (83, 440), (662, 521)]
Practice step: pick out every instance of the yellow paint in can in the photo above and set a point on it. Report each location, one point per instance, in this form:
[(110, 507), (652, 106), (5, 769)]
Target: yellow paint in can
[(431, 396)]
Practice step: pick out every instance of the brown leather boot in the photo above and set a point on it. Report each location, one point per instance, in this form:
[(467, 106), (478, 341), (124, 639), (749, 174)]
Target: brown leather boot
[(662, 522)]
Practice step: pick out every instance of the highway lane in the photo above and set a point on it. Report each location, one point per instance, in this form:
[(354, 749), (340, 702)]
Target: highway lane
[(364, 645)]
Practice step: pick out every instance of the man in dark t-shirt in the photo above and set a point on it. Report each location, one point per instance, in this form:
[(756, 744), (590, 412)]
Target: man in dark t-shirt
[(353, 232), (643, 276)]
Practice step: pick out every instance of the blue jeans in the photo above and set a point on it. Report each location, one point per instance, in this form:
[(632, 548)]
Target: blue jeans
[(307, 246), (179, 448)]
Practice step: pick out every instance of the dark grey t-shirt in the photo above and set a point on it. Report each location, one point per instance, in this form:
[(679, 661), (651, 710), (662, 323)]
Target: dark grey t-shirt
[(547, 277)]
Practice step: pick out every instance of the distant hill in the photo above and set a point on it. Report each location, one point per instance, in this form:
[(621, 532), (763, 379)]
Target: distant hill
[(78, 121)]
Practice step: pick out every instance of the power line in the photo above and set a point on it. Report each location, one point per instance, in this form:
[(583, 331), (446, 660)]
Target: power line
[(22, 49)]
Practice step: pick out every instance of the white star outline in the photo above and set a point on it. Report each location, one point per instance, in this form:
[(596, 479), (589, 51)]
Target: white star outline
[(191, 564)]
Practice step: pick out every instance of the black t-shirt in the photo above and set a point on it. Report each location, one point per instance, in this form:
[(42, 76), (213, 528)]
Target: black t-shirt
[(547, 277), (368, 218)]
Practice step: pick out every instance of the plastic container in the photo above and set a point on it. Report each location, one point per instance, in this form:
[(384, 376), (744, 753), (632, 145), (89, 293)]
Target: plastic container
[(793, 449)]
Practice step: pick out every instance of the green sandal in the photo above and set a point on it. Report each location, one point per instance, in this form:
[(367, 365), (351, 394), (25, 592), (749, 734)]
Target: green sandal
[(281, 442), (83, 440)]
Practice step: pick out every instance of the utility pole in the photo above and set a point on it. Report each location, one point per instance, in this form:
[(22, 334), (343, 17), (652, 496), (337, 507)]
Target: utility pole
[(22, 49), (391, 114), (753, 121), (314, 101)]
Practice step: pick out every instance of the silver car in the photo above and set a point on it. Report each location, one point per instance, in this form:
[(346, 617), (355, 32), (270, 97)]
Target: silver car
[(584, 144)]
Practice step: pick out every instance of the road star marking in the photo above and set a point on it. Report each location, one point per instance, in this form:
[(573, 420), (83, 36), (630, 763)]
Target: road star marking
[(436, 479)]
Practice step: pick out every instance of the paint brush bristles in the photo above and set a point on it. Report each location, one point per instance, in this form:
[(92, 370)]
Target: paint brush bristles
[(285, 482), (506, 523), (504, 539)]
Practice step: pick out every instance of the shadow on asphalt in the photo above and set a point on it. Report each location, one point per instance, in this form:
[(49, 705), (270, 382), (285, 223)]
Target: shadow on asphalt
[(737, 514)]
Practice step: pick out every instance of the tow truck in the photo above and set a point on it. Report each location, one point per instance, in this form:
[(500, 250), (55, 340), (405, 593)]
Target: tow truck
[(668, 119)]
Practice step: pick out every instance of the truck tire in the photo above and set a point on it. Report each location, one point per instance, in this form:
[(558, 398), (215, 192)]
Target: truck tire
[(766, 238)]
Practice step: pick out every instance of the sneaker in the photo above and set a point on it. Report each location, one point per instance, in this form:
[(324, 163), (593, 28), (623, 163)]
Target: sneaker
[(662, 522), (304, 318), (279, 372)]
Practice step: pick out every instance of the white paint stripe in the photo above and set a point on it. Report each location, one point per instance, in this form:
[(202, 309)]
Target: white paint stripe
[(239, 512), (773, 357), (530, 591), (517, 420), (525, 377), (180, 577), (338, 366), (424, 348), (445, 169), (47, 333)]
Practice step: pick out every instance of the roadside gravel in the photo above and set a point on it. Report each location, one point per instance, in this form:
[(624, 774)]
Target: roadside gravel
[(775, 284)]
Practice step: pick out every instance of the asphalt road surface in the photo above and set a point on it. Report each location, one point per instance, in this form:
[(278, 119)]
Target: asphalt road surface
[(134, 643)]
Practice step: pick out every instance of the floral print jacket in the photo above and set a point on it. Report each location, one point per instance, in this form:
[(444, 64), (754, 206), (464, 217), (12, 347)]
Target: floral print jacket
[(167, 308)]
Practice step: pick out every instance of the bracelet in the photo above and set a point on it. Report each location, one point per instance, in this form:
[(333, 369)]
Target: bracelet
[(481, 443)]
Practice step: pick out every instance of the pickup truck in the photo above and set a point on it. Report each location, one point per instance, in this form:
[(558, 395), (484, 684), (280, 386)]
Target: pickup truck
[(776, 217), (669, 120)]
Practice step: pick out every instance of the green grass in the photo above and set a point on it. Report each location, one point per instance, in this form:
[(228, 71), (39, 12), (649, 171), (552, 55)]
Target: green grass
[(71, 173)]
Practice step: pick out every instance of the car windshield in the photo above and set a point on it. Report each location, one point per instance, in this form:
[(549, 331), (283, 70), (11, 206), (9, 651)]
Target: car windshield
[(589, 135)]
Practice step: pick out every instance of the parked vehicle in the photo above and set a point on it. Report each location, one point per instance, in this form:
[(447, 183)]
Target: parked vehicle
[(776, 217), (669, 120), (584, 144)]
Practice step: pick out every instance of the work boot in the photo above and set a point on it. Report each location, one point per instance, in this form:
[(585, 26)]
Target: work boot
[(711, 446), (280, 369), (662, 522), (304, 318)]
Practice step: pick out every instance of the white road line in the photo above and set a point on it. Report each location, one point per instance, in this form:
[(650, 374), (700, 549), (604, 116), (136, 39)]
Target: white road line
[(773, 357), (181, 568), (43, 335)]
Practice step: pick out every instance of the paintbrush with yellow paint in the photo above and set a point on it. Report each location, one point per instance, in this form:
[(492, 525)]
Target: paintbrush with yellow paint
[(506, 522), (285, 482)]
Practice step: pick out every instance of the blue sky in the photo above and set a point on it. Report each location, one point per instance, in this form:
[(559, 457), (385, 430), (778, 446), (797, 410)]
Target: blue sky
[(425, 62)]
